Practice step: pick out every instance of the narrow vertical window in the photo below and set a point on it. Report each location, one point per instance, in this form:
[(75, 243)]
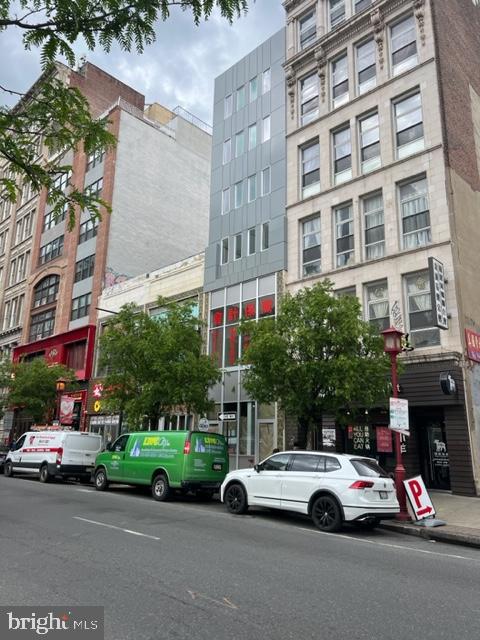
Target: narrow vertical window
[(342, 155), (239, 143), (336, 12), (266, 80), (423, 331), (240, 98), (307, 27), (403, 41), (252, 187), (228, 106), (251, 241), (311, 247), (374, 226), (378, 308), (252, 136), (253, 89), (309, 98), (409, 125), (238, 194), (227, 151), (310, 169), (266, 186), (226, 200), (266, 129), (224, 256), (415, 214), (340, 93), (366, 66), (369, 131), (344, 235), (238, 246), (265, 235)]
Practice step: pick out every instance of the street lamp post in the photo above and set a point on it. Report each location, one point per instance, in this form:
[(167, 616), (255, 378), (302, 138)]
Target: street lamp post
[(61, 383), (393, 346)]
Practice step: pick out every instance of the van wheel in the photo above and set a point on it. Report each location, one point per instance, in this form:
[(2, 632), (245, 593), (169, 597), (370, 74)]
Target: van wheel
[(8, 469), (326, 514), (44, 475), (160, 488), (101, 482), (235, 499)]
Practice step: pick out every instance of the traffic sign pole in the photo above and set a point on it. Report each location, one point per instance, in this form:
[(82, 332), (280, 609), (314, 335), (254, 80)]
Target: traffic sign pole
[(399, 468)]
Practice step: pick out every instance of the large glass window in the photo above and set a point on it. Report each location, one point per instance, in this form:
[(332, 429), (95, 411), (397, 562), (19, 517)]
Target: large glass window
[(84, 268), (360, 5), (409, 125), (344, 235), (307, 28), (340, 81), (369, 142), (342, 155), (310, 168), (374, 226), (42, 325), (415, 213), (423, 331), (46, 291), (88, 229), (378, 311), (309, 98), (94, 158), (336, 12), (403, 45), (81, 306), (51, 250), (311, 247), (50, 220), (366, 67)]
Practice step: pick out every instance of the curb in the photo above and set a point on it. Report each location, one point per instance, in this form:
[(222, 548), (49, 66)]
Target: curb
[(449, 537)]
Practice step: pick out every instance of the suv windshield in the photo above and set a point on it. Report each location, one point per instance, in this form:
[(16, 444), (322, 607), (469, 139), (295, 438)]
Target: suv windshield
[(365, 467)]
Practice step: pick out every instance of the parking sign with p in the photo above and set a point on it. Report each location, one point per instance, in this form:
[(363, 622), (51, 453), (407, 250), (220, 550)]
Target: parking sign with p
[(420, 502)]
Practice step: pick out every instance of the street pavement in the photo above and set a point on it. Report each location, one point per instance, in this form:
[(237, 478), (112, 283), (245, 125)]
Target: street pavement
[(183, 569)]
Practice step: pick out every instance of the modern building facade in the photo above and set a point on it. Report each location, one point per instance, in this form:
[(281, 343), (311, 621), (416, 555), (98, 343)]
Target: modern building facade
[(246, 254), (383, 121)]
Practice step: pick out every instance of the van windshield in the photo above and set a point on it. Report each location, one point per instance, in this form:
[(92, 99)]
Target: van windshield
[(83, 442)]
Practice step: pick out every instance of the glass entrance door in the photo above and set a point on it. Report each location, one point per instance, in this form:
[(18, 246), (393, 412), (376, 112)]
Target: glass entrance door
[(438, 468), (266, 438)]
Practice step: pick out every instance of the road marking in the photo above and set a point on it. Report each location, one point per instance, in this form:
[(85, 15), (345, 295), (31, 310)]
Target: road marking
[(392, 546), (112, 526), (86, 490), (224, 602)]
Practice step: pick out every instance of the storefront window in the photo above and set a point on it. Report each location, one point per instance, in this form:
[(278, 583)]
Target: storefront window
[(247, 428), (216, 345), (249, 310), (231, 345), (266, 306)]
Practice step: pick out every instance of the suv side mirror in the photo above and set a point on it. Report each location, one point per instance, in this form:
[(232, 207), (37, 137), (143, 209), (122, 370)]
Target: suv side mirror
[(257, 468)]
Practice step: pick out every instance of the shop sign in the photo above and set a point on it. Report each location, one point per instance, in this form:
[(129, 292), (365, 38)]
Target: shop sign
[(396, 316), (97, 390), (384, 440), (66, 409), (399, 415), (420, 502), (439, 454), (329, 437), (437, 291), (473, 345), (360, 435), (97, 406), (447, 383)]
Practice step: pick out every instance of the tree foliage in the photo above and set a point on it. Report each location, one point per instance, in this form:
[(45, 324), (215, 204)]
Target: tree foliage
[(317, 357), (155, 365), (31, 386), (59, 113)]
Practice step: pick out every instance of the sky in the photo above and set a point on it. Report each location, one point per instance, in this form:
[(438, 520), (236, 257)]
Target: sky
[(178, 69)]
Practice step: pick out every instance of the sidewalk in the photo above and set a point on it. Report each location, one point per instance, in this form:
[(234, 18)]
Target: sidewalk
[(461, 514)]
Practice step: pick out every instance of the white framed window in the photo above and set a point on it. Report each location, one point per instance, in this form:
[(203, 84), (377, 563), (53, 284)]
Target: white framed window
[(423, 332), (265, 236), (336, 12), (340, 94), (13, 272), (310, 169), (224, 251), (252, 187), (369, 133), (238, 246), (251, 241), (239, 143), (238, 194), (227, 151), (266, 182), (311, 246), (253, 89), (307, 30), (415, 213), (266, 129), (226, 200), (266, 80), (377, 305), (409, 125), (309, 98), (360, 5), (240, 97), (252, 136), (403, 42), (228, 106), (342, 155), (366, 66), (374, 226), (344, 239), (3, 241)]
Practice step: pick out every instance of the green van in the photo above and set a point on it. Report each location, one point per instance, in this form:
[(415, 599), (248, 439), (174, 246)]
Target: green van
[(166, 460)]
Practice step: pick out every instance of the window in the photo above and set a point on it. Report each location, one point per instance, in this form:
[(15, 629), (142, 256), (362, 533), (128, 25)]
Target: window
[(238, 194), (265, 235), (409, 125), (238, 246), (75, 355), (22, 266), (336, 12), (46, 291), (252, 136), (239, 143), (366, 67), (344, 235), (13, 312), (120, 444), (347, 291), (224, 256), (266, 129), (340, 81), (50, 220), (360, 5), (415, 214), (42, 325), (240, 98), (13, 272), (369, 143), (276, 463), (88, 229), (331, 464), (252, 188), (94, 158), (305, 462), (25, 193), (420, 314), (5, 209), (228, 106), (62, 181), (307, 26), (311, 247), (310, 159), (3, 241), (404, 45), (226, 200), (378, 311), (84, 268), (251, 241), (266, 186), (342, 155), (227, 151), (309, 98), (51, 250), (81, 306), (95, 189), (266, 81), (374, 226), (253, 89), (369, 468)]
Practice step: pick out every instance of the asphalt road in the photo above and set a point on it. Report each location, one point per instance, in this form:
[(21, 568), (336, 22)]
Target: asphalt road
[(182, 569)]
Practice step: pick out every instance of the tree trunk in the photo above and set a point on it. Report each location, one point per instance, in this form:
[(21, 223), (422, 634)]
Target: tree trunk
[(302, 432)]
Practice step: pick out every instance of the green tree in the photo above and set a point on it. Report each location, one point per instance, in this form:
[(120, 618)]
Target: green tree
[(316, 358), (31, 387), (155, 365), (60, 114)]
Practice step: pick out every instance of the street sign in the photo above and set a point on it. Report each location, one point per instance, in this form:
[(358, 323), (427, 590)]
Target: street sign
[(224, 417), (203, 424), (437, 292), (420, 502), (396, 316), (399, 415)]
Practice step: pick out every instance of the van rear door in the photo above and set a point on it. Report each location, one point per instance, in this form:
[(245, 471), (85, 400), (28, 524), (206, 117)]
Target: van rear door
[(81, 449), (207, 459)]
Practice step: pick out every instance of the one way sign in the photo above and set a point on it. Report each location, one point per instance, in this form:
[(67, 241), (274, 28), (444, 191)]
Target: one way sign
[(419, 499)]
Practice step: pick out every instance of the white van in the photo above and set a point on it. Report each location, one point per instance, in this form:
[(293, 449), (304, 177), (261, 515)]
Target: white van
[(54, 453)]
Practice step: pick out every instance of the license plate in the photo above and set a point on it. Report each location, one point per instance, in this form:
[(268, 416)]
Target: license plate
[(383, 495), (217, 466)]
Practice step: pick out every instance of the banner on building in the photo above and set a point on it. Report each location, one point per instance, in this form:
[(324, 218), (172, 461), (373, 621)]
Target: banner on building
[(66, 409), (437, 291), (472, 340), (384, 440)]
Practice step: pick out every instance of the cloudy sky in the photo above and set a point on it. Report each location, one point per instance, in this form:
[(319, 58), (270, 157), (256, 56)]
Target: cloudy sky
[(178, 69)]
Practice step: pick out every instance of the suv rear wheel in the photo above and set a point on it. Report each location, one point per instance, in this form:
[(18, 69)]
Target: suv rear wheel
[(160, 488), (326, 514), (235, 499), (8, 469)]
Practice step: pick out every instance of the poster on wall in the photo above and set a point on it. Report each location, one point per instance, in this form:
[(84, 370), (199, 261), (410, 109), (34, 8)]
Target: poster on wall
[(66, 409), (360, 435), (399, 415), (329, 437), (384, 440)]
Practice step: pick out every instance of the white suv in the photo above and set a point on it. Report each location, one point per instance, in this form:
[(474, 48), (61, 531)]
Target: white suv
[(331, 488)]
